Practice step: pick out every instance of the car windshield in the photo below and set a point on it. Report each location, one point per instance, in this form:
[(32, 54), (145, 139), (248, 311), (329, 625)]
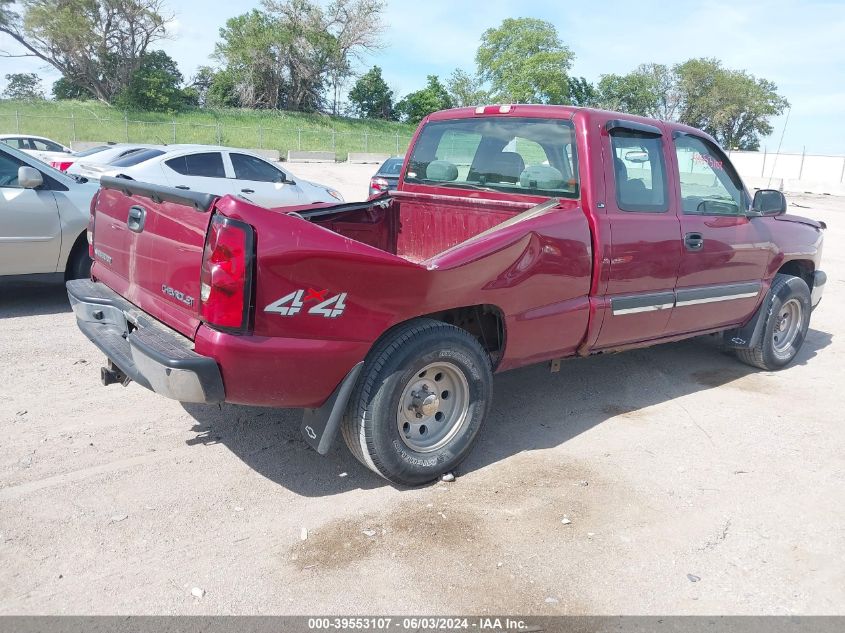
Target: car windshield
[(529, 156), (391, 167), (91, 150), (137, 157)]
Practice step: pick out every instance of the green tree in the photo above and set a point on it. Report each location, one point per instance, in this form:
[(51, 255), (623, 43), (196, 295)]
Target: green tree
[(524, 61), (64, 88), (23, 86), (371, 97), (731, 105), (98, 43), (581, 92), (155, 86), (466, 89), (418, 105), (290, 53), (223, 91), (633, 93)]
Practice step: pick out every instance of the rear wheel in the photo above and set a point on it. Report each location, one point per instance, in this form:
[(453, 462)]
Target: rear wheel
[(79, 263), (419, 402), (787, 313)]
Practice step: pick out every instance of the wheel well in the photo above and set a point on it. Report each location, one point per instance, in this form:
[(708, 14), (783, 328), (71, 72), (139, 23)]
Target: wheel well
[(802, 268), (484, 322)]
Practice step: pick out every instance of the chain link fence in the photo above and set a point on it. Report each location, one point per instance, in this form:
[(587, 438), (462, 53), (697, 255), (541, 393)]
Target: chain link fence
[(258, 136)]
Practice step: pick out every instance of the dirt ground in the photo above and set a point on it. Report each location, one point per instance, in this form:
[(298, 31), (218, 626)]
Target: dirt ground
[(693, 485)]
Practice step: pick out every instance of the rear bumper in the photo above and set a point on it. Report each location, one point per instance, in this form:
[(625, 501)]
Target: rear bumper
[(148, 352), (819, 281)]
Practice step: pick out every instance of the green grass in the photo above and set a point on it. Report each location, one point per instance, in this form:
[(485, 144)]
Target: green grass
[(67, 121)]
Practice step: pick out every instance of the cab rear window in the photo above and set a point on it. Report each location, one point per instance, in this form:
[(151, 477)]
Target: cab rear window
[(530, 156)]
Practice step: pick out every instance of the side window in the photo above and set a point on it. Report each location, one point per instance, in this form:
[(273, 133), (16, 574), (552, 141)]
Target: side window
[(252, 168), (639, 170), (206, 165), (46, 146), (9, 170), (709, 183), (17, 143)]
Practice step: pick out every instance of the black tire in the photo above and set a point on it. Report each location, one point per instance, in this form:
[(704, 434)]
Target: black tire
[(78, 263), (372, 426), (786, 293)]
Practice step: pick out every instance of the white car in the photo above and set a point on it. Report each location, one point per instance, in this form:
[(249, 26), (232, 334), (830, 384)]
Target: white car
[(221, 171), (44, 149), (43, 218), (92, 162)]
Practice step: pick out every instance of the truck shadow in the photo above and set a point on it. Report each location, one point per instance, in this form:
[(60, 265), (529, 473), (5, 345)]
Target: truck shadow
[(532, 409), (32, 298)]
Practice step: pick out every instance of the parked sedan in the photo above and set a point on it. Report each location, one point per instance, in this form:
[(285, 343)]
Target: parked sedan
[(387, 176), (43, 218), (221, 171), (42, 148)]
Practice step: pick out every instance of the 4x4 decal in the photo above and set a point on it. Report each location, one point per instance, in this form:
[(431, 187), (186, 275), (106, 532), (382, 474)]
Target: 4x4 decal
[(291, 304)]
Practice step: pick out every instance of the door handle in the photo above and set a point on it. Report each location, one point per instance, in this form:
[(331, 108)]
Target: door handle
[(135, 219), (184, 187), (247, 191), (694, 241)]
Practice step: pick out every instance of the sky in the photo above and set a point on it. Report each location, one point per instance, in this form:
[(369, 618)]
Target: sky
[(800, 45)]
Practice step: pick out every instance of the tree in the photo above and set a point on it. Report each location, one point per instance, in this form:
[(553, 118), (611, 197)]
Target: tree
[(633, 93), (96, 44), (23, 86), (63, 88), (731, 105), (525, 62), (371, 97), (287, 55), (466, 90), (155, 86), (581, 92), (417, 105)]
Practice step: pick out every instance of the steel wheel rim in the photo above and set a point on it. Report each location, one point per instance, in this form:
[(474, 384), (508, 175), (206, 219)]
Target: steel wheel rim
[(433, 408), (787, 327)]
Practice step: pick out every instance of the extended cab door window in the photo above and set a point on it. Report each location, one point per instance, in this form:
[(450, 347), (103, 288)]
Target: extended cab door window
[(639, 170), (709, 185)]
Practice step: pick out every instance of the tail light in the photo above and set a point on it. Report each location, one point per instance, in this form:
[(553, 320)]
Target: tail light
[(61, 165), (226, 277), (379, 184), (92, 210)]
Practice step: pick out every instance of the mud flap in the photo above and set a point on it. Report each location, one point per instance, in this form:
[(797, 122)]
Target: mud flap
[(319, 426), (747, 336)]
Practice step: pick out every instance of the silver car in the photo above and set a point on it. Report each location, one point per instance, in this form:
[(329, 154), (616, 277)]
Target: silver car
[(43, 218)]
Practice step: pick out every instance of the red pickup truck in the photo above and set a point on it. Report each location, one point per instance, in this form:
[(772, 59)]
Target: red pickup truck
[(518, 234)]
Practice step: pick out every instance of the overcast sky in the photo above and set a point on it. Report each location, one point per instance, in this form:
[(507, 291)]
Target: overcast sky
[(800, 45)]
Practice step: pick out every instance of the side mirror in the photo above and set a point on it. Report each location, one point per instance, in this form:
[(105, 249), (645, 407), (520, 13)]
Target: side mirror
[(769, 202), (29, 177)]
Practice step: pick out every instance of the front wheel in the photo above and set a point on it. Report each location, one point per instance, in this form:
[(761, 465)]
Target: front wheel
[(788, 307), (419, 403)]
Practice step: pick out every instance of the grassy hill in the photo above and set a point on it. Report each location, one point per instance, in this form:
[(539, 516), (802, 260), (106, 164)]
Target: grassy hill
[(67, 121)]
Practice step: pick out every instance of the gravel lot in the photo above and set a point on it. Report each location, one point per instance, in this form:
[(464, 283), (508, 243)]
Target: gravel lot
[(693, 484)]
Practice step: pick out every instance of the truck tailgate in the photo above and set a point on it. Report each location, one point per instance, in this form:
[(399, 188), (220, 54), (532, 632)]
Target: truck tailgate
[(148, 244)]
